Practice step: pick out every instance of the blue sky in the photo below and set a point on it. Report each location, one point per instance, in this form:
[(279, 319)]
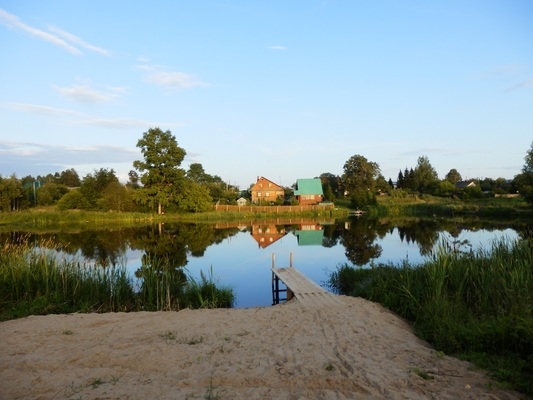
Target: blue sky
[(281, 89)]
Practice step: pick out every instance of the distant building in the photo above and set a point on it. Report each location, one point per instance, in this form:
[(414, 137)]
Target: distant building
[(308, 191), (241, 201), (465, 184), (265, 190)]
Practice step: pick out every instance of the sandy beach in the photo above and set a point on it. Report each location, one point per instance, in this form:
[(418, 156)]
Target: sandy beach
[(353, 350)]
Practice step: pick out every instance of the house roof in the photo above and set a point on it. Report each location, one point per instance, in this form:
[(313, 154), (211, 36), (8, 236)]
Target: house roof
[(308, 186), (464, 184), (272, 185)]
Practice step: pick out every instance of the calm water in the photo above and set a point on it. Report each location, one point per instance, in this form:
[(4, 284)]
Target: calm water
[(240, 254), (240, 263)]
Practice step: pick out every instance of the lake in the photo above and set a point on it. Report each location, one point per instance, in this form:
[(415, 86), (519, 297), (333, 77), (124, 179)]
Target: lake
[(240, 254)]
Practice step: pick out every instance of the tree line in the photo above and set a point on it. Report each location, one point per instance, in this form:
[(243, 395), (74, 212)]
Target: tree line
[(159, 184)]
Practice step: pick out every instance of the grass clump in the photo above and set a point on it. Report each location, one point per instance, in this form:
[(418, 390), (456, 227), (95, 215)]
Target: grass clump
[(476, 304), (36, 281)]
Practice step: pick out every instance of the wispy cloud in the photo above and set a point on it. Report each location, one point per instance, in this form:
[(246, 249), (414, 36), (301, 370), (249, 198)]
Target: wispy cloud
[(524, 84), (126, 123), (169, 79), (86, 94), (76, 40), (77, 118), (37, 158), (277, 47), (41, 109), (65, 40)]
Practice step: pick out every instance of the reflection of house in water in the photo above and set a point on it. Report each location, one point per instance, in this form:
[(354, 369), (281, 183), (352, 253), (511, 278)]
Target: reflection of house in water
[(266, 234), (309, 235)]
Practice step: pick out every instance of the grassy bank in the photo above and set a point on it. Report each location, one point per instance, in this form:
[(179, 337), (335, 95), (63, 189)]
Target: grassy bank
[(477, 305), (429, 206), (35, 281)]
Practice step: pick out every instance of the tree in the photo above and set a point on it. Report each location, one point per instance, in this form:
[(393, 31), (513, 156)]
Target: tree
[(524, 181), (331, 185), (73, 200), (425, 177), (116, 197), (69, 178), (10, 194), (360, 180), (196, 198), (453, 176), (359, 173), (93, 185), (197, 174), (133, 181), (400, 180), (162, 178), (50, 193)]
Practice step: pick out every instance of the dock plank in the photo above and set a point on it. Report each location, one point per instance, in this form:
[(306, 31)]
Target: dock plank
[(306, 291)]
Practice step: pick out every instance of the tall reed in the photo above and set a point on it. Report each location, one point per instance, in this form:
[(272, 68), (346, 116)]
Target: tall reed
[(477, 303), (35, 280)]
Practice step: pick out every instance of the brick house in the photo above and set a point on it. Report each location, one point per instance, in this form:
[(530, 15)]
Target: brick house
[(265, 190), (308, 191)]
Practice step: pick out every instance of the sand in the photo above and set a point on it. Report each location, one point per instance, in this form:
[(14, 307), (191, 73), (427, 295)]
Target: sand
[(354, 350)]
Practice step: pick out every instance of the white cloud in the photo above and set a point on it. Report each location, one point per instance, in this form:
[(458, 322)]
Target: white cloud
[(86, 94), (277, 47), (58, 37), (159, 75), (12, 21), (78, 41), (176, 80)]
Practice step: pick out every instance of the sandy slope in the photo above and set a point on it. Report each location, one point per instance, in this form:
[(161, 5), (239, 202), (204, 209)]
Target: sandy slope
[(355, 350)]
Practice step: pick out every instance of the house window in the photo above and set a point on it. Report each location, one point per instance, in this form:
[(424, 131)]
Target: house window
[(258, 194), (267, 194)]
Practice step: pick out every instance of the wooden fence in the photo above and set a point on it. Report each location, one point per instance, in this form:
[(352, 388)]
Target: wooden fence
[(273, 209)]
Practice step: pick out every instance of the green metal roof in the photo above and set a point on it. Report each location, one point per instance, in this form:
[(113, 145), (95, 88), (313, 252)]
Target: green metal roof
[(308, 186)]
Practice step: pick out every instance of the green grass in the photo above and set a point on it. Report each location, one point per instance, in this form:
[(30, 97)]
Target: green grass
[(35, 281), (476, 304)]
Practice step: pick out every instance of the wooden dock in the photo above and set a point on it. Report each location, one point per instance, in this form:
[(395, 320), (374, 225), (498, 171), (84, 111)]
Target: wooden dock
[(298, 285)]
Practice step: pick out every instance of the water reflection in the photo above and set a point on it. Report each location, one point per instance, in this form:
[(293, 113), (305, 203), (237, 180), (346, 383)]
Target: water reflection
[(234, 249)]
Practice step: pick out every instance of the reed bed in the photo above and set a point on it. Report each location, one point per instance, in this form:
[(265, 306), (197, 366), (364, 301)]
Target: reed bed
[(34, 280), (475, 304)]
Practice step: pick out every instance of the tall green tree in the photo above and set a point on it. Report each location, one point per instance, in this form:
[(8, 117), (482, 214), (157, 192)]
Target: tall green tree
[(426, 179), (524, 181), (360, 180), (359, 173), (162, 177)]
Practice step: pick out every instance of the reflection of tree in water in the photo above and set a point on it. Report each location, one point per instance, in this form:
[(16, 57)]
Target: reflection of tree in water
[(332, 235), (359, 241), (423, 232), (107, 247), (172, 243)]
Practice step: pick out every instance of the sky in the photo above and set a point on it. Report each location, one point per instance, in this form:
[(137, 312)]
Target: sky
[(280, 89)]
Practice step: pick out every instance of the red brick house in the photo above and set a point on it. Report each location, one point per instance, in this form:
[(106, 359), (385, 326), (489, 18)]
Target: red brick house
[(265, 190)]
